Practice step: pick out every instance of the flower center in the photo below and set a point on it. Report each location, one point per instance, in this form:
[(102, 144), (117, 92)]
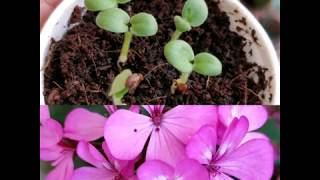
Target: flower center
[(213, 169), (118, 177), (156, 115), (68, 143), (156, 120), (111, 167)]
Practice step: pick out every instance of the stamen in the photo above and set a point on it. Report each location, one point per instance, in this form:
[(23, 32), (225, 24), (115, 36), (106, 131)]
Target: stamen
[(213, 169), (156, 115)]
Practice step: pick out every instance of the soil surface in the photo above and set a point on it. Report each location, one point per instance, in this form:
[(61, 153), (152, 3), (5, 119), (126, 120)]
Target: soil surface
[(81, 66)]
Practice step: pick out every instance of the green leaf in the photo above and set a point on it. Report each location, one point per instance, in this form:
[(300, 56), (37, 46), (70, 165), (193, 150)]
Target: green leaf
[(143, 24), (207, 64), (179, 54), (78, 163), (195, 12), (45, 168), (261, 3), (97, 108), (271, 130), (117, 98), (123, 1), (119, 83), (114, 20), (98, 5), (181, 24)]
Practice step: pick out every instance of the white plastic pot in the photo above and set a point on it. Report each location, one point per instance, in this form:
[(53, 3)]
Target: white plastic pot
[(263, 54)]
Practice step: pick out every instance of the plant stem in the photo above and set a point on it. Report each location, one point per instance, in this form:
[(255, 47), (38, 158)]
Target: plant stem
[(125, 47), (116, 100), (176, 35), (183, 78), (181, 81)]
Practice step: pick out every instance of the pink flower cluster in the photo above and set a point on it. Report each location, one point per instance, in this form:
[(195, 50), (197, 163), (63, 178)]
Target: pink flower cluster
[(183, 143)]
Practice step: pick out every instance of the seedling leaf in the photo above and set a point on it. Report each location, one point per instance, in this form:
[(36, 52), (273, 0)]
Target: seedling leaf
[(143, 24), (207, 64), (179, 54), (114, 20)]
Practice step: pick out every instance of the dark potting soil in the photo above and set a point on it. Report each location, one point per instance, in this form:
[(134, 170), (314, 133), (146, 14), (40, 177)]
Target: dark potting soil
[(82, 64)]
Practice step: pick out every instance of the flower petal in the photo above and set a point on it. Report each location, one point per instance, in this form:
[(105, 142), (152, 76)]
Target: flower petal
[(133, 178), (44, 113), (113, 108), (257, 115), (202, 146), (63, 170), (155, 170), (251, 160), (90, 173), (125, 167), (66, 153), (190, 169), (134, 108), (81, 124), (50, 154), (253, 135), (185, 120), (220, 176), (126, 133), (90, 154), (233, 136), (221, 129), (164, 146), (107, 152), (51, 133)]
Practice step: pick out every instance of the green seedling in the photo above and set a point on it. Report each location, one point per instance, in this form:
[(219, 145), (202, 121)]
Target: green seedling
[(194, 13), (99, 5), (181, 56), (123, 83), (118, 21)]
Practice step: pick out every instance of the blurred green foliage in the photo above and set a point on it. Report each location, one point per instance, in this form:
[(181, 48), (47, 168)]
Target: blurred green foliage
[(261, 3), (79, 163), (272, 130)]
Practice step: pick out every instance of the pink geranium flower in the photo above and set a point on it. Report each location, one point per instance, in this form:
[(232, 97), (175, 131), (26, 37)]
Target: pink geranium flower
[(127, 133), (187, 169), (250, 160), (257, 116), (58, 144), (103, 169)]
